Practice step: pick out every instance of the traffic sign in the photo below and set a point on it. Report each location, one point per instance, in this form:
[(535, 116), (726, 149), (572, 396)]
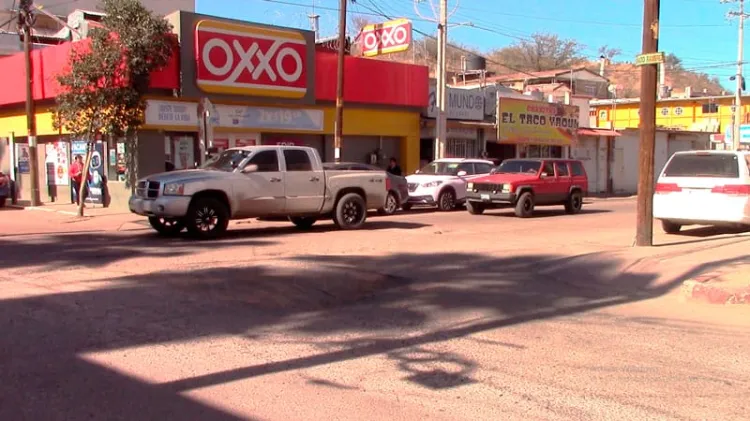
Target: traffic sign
[(651, 58)]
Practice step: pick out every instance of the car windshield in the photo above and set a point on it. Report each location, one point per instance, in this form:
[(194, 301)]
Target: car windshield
[(227, 161), (519, 166), (703, 165), (441, 168)]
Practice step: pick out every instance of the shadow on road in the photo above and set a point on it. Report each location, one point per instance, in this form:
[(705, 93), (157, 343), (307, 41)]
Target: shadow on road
[(386, 305), (244, 230), (543, 212), (707, 234)]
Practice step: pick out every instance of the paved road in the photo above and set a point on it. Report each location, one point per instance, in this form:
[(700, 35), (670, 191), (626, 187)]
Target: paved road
[(422, 316)]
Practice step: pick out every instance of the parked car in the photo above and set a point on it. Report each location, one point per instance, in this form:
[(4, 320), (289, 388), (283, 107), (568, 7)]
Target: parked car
[(396, 185), (6, 189), (527, 183), (257, 181), (442, 182), (703, 188)]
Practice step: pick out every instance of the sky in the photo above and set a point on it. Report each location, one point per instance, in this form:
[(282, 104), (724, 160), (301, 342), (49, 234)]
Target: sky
[(697, 31)]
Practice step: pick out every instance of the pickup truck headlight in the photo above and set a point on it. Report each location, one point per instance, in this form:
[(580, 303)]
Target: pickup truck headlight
[(432, 184), (174, 189), (469, 186)]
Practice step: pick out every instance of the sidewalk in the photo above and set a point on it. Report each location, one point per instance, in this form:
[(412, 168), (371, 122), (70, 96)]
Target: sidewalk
[(728, 285), (63, 218)]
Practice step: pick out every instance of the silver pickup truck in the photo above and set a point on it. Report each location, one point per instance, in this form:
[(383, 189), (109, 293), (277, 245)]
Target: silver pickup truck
[(254, 182)]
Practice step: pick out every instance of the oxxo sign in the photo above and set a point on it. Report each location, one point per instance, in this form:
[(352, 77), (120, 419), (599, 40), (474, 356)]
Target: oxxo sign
[(384, 38), (250, 60)]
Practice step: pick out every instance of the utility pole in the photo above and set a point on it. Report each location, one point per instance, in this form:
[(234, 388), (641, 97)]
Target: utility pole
[(441, 121), (645, 208), (25, 22), (738, 120), (339, 129)]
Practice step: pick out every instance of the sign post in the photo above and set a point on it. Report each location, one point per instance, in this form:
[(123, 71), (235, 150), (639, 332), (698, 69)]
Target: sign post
[(650, 58)]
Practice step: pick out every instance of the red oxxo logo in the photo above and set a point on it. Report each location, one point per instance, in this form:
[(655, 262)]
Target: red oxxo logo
[(383, 38), (250, 60)]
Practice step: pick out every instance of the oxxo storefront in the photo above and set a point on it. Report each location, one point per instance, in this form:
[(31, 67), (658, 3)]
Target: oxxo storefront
[(264, 84)]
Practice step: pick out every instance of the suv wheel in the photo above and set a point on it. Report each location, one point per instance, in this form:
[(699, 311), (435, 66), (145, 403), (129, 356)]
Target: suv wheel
[(670, 227), (475, 208), (351, 212), (447, 200), (166, 226), (302, 222), (525, 205), (207, 218), (391, 205), (574, 203)]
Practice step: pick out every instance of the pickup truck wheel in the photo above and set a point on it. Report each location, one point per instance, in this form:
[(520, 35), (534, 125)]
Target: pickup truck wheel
[(351, 212), (391, 205), (574, 203), (166, 226), (447, 201), (525, 205), (670, 227), (302, 222), (207, 218), (475, 208)]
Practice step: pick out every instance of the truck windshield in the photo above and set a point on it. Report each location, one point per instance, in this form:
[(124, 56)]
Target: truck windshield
[(519, 166), (227, 161), (440, 168)]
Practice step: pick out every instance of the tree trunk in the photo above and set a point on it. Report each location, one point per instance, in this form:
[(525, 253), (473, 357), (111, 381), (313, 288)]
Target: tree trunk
[(131, 159), (85, 177)]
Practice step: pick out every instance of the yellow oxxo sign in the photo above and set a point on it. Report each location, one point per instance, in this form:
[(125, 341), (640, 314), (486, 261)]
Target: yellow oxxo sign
[(536, 123)]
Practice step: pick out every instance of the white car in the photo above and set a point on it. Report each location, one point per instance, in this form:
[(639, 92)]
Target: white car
[(442, 182), (704, 188)]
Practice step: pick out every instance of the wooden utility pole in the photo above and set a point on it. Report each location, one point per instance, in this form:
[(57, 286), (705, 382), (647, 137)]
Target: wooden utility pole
[(440, 91), (25, 22), (645, 211), (339, 129)]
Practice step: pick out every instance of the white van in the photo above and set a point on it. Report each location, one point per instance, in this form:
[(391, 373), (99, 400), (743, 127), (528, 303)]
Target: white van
[(704, 188)]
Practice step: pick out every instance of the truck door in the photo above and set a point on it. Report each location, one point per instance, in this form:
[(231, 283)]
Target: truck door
[(262, 191), (304, 185), (564, 181)]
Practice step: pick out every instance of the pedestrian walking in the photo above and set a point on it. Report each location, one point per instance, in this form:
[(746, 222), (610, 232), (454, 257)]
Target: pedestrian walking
[(393, 167), (76, 178)]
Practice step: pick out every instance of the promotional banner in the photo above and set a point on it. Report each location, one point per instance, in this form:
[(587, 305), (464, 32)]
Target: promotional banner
[(537, 123), (57, 162), (23, 158), (96, 169)]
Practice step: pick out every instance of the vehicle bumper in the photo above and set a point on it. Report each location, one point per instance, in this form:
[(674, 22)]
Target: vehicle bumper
[(715, 210), (421, 200), (164, 207), (491, 198)]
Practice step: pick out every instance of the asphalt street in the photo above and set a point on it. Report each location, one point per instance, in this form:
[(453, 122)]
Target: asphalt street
[(423, 315)]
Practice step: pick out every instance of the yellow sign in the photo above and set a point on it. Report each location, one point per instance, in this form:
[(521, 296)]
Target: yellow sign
[(536, 123), (652, 58)]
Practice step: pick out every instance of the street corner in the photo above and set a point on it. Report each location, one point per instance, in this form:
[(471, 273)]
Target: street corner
[(722, 288)]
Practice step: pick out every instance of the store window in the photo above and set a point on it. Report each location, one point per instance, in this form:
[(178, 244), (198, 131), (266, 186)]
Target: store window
[(540, 151), (182, 151)]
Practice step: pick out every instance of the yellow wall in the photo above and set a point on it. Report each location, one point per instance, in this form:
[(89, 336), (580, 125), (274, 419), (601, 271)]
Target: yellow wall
[(17, 124), (679, 114)]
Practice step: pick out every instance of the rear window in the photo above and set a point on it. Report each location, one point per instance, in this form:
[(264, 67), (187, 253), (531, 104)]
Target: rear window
[(711, 165)]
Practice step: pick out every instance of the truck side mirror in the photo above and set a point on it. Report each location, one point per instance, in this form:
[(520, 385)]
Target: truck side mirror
[(250, 168)]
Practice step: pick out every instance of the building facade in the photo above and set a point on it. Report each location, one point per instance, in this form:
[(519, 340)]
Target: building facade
[(275, 88)]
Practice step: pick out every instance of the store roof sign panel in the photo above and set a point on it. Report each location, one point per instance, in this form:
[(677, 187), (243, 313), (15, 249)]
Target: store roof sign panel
[(461, 104), (537, 123), (385, 38), (251, 60)]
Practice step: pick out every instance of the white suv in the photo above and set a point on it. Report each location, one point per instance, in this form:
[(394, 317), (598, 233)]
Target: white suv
[(704, 188), (442, 182)]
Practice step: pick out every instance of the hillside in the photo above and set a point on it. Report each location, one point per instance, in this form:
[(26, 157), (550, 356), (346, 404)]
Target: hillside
[(627, 78)]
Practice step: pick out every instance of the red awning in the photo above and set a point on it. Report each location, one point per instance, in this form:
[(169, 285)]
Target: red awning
[(597, 132)]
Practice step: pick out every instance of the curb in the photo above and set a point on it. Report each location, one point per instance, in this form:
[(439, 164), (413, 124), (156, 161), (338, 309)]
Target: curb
[(698, 290)]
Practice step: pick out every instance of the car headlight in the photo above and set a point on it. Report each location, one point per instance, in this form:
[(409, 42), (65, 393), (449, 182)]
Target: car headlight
[(506, 188), (174, 189), (432, 184)]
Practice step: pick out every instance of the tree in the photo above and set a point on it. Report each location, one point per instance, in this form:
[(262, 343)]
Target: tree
[(104, 87), (672, 62), (609, 53), (542, 51)]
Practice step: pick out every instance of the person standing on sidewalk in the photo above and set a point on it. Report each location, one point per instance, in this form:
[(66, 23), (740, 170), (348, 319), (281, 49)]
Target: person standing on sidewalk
[(76, 178)]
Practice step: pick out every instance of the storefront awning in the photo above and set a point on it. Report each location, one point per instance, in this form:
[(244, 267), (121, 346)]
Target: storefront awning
[(597, 132)]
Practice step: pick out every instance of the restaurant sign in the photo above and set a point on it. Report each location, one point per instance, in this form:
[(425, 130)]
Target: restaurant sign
[(536, 123)]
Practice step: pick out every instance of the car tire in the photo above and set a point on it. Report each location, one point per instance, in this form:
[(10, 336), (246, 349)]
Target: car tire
[(475, 208), (406, 207), (391, 205), (670, 227), (302, 222), (525, 205), (207, 218), (574, 204), (447, 200), (166, 226), (350, 212)]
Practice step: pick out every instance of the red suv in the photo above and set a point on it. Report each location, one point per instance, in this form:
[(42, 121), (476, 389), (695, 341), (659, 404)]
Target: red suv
[(526, 183)]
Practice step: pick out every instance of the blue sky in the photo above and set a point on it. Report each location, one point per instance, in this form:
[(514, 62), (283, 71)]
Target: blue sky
[(695, 30)]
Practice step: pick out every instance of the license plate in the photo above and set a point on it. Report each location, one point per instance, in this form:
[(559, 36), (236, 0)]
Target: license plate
[(485, 197)]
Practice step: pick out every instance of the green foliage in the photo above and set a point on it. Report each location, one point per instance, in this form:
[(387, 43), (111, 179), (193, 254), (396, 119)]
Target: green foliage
[(541, 52)]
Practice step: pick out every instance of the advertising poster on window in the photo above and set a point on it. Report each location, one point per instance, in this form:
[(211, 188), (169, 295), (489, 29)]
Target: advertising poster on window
[(184, 158), (23, 158), (241, 141), (96, 169), (57, 163), (285, 142)]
